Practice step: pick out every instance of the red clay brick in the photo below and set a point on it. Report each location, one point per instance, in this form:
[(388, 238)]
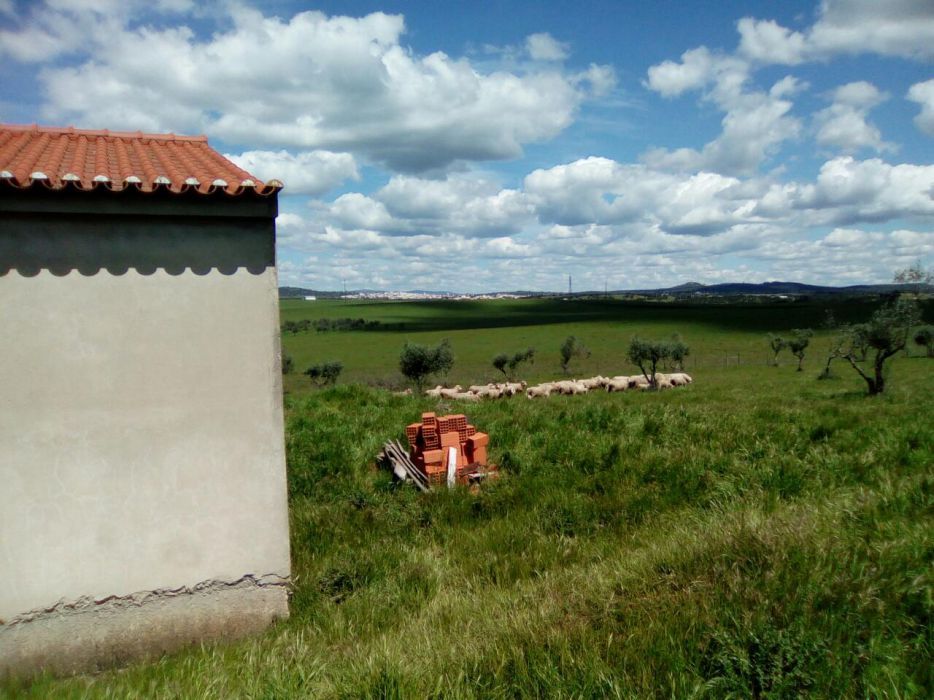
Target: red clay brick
[(479, 439)]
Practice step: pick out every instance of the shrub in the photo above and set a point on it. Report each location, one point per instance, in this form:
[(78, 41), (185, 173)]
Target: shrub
[(288, 364), (325, 373), (924, 337)]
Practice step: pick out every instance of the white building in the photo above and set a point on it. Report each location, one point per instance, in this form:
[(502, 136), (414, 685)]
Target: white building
[(143, 498)]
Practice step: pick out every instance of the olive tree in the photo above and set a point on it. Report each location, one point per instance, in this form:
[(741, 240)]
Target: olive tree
[(500, 362), (509, 364), (798, 343), (915, 275), (885, 333), (776, 344), (647, 354), (678, 352), (571, 348), (417, 362)]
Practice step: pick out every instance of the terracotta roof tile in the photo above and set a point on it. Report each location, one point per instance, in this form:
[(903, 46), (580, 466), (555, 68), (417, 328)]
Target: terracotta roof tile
[(34, 156)]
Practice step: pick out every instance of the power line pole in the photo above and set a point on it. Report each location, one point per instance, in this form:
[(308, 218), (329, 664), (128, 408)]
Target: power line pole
[(569, 285)]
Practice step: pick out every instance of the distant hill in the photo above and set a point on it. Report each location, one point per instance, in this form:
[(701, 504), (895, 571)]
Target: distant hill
[(301, 292), (782, 289), (795, 289)]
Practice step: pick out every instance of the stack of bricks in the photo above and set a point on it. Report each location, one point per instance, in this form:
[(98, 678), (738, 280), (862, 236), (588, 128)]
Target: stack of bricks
[(430, 443)]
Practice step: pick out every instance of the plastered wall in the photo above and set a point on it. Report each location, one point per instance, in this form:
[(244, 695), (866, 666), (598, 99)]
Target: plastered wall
[(142, 469)]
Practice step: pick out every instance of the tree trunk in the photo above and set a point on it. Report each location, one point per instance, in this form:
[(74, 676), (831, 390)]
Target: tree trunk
[(878, 384), (871, 383)]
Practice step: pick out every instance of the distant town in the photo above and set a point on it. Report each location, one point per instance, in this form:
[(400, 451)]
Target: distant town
[(771, 290)]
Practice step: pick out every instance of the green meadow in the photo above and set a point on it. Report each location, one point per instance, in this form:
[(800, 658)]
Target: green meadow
[(758, 533)]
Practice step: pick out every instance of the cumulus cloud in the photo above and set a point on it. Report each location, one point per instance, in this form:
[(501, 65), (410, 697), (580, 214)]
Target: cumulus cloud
[(463, 204), (767, 41), (697, 68), (923, 94), (595, 217), (894, 28), (849, 190), (544, 47), (311, 82), (844, 124), (755, 123), (312, 172), (54, 28)]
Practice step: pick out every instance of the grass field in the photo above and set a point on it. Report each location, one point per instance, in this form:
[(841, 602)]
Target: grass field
[(719, 334), (756, 534)]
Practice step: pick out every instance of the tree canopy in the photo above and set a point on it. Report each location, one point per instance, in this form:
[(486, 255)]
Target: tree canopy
[(885, 333), (417, 362), (571, 348)]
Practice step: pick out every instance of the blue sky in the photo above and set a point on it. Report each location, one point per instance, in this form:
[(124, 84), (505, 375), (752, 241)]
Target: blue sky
[(505, 145)]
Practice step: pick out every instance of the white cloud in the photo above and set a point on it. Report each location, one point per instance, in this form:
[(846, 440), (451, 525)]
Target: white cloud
[(508, 248), (601, 191), (312, 172), (768, 42), (697, 68), (755, 125), (310, 82), (544, 47), (55, 27), (892, 28), (849, 190), (923, 94), (357, 211), (601, 79), (596, 217), (463, 204), (844, 124)]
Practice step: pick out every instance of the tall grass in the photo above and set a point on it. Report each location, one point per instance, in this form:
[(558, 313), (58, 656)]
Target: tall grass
[(756, 534)]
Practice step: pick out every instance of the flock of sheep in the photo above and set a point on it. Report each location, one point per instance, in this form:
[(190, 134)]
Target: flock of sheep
[(567, 387)]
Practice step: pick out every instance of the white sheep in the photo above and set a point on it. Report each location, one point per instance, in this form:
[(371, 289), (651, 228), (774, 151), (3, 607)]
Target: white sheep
[(540, 391), (617, 384), (570, 387), (639, 382), (477, 388), (450, 393), (592, 382), (463, 396)]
